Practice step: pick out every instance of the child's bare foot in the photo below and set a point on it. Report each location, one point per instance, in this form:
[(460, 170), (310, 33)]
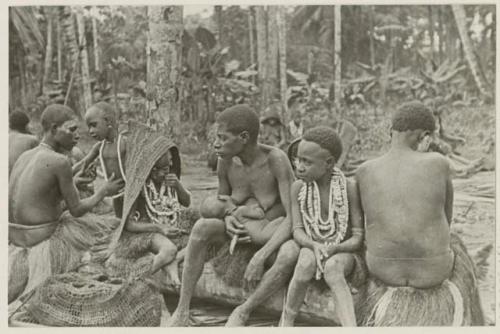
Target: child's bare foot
[(178, 319), (238, 318), (172, 271)]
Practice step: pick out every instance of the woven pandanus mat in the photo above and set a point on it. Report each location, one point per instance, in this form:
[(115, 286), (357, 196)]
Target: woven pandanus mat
[(76, 299)]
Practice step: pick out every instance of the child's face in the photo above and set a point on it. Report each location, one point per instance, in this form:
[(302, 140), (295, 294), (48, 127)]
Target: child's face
[(313, 161), (99, 128), (161, 168)]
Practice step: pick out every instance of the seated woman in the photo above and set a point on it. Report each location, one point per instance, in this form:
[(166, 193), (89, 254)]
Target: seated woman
[(152, 209)]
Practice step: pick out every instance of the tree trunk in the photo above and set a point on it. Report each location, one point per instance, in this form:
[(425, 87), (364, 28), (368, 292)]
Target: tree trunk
[(95, 38), (371, 14), (218, 18), (431, 32), (164, 66), (84, 59), (272, 50), (60, 75), (440, 33), (22, 77), (260, 16), (47, 68), (74, 89), (251, 38), (282, 58), (337, 54), (460, 19)]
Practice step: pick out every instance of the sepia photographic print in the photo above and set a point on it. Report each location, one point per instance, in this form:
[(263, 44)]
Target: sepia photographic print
[(271, 165)]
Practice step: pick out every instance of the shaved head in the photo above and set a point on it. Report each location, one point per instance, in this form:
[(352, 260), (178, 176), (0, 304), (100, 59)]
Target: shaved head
[(55, 114)]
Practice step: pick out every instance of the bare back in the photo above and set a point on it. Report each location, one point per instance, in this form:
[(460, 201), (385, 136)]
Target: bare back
[(404, 198), (34, 194), (18, 144)]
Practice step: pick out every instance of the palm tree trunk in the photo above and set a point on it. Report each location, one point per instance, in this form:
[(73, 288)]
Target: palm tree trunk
[(74, 55), (251, 38), (460, 19), (60, 74), (22, 76), (272, 50), (440, 33), (218, 18), (371, 13), (282, 58), (95, 37), (84, 59), (337, 53), (260, 16), (47, 68), (163, 72), (431, 31)]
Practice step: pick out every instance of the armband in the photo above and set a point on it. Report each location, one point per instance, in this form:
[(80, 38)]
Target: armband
[(358, 231)]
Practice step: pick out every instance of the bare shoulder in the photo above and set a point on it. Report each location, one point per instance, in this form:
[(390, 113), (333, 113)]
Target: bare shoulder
[(365, 168), (436, 161), (296, 186), (277, 157)]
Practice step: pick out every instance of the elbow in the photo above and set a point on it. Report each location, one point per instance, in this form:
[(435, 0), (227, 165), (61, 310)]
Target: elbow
[(76, 212)]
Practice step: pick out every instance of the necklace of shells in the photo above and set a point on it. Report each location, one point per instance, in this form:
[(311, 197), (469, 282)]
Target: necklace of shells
[(333, 229), (120, 164), (161, 207)]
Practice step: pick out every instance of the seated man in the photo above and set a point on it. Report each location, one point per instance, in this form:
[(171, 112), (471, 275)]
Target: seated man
[(246, 169), (152, 224), (273, 132), (43, 239), (20, 140), (423, 275)]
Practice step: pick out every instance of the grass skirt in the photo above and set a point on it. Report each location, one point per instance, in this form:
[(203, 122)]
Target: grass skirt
[(73, 239), (453, 303)]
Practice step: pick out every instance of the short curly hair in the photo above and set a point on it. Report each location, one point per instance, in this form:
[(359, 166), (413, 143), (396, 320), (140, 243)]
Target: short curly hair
[(240, 118), (55, 114), (325, 137), (106, 110), (413, 115), (18, 121)]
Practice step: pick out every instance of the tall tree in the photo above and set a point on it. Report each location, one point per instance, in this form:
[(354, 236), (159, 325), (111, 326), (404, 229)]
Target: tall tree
[(74, 89), (282, 57), (60, 75), (95, 39), (272, 50), (337, 53), (431, 31), (461, 21), (84, 58), (164, 66), (251, 38), (261, 25), (47, 68)]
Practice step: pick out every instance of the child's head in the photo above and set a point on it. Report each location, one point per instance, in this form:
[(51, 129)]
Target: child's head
[(317, 153), (19, 121), (416, 119), (101, 120), (161, 168), (216, 206)]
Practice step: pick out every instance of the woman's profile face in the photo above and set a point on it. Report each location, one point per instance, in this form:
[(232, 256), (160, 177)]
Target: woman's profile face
[(161, 168)]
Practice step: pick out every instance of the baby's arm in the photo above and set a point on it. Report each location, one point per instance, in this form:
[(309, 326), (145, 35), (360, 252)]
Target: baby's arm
[(249, 211)]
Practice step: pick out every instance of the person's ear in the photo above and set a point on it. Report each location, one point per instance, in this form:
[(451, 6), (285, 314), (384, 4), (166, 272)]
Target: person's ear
[(245, 136), (53, 128), (331, 161)]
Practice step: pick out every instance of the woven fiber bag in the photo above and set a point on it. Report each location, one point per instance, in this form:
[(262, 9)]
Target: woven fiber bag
[(76, 299)]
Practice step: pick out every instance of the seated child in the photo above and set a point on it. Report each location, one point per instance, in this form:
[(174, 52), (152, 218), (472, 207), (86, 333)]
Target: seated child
[(327, 224), (222, 205), (151, 224), (110, 150)]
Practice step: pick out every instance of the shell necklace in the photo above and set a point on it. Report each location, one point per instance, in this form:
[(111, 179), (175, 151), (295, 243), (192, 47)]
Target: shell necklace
[(333, 229), (161, 207), (120, 164)]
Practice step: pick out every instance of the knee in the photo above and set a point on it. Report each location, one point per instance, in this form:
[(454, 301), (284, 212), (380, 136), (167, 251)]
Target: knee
[(288, 254), (306, 266), (334, 271), (204, 229)]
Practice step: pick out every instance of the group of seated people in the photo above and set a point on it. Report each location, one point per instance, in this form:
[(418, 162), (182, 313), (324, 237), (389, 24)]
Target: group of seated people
[(311, 223)]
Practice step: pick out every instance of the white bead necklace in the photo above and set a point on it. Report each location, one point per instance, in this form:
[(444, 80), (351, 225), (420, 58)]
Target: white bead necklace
[(161, 207), (333, 229)]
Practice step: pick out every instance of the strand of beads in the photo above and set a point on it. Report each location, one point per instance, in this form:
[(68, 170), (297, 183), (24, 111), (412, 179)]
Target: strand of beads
[(166, 200)]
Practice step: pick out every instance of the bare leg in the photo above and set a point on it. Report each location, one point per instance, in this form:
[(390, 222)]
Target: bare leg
[(336, 269), (304, 272), (165, 251), (274, 279), (204, 233), (172, 269)]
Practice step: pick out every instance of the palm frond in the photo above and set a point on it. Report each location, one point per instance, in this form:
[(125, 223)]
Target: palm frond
[(26, 25)]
